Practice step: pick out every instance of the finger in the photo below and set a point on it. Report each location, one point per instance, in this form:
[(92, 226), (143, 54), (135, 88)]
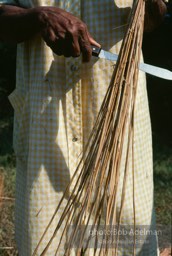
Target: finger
[(86, 51), (75, 51), (72, 47), (52, 41), (85, 47), (49, 36), (58, 47), (92, 41)]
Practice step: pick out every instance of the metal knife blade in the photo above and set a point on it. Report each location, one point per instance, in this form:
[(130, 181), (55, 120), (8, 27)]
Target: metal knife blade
[(150, 69)]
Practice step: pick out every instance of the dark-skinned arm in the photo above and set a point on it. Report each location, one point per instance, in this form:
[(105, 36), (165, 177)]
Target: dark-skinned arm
[(64, 33)]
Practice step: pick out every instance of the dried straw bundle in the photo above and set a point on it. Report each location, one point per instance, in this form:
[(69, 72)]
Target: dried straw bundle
[(92, 199)]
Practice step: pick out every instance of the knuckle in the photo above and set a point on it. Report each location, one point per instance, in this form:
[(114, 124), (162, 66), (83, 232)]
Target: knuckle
[(83, 27), (73, 31), (86, 47)]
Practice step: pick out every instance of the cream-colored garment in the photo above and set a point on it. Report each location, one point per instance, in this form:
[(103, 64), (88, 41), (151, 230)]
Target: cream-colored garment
[(56, 101)]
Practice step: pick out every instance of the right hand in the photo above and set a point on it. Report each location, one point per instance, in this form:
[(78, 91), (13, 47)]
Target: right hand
[(155, 11), (65, 34)]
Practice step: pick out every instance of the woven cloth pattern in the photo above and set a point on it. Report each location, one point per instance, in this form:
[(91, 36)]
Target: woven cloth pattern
[(56, 101)]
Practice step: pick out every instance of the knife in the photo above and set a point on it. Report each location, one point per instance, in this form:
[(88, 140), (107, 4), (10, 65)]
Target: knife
[(147, 68)]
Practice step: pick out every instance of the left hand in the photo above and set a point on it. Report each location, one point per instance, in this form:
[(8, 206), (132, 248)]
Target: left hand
[(155, 11)]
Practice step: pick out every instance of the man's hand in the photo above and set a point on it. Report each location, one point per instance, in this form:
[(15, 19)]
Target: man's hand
[(65, 34), (155, 11)]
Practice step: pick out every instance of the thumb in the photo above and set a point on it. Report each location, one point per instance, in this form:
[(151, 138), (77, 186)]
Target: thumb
[(92, 41)]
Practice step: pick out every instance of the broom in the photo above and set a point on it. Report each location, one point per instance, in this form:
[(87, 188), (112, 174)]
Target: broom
[(92, 201)]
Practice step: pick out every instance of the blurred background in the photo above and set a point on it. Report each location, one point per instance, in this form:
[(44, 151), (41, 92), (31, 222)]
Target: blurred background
[(157, 50)]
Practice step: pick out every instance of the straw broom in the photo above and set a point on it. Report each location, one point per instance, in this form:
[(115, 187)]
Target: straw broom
[(94, 186)]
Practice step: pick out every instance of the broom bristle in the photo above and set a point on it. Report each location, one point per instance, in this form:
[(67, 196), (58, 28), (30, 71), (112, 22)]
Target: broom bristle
[(95, 183)]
